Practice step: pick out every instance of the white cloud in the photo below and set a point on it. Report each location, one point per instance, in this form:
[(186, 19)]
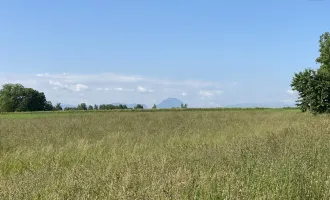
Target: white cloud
[(117, 89), (291, 92), (41, 75), (75, 88), (210, 93), (57, 85), (80, 87), (101, 88), (143, 90)]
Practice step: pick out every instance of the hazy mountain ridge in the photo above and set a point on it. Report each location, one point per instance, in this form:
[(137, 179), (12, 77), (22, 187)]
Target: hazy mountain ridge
[(170, 103)]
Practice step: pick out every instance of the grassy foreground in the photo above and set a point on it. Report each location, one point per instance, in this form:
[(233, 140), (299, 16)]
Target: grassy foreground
[(248, 154)]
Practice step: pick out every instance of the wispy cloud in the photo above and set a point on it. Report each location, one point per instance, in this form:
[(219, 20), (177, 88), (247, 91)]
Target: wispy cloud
[(75, 88), (117, 89), (110, 87), (210, 93), (291, 92), (143, 89)]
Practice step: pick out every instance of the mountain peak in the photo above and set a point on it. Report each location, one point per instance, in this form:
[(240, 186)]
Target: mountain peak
[(170, 103)]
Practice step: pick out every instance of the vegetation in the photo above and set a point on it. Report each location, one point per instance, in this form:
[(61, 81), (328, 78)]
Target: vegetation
[(138, 106), (313, 86), (184, 105), (90, 107), (16, 98), (58, 107), (112, 107), (229, 154), (82, 106)]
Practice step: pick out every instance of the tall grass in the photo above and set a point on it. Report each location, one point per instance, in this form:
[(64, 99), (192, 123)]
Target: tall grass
[(166, 155)]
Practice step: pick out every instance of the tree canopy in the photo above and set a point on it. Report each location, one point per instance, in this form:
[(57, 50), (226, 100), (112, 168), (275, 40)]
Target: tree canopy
[(138, 106), (16, 98), (313, 86)]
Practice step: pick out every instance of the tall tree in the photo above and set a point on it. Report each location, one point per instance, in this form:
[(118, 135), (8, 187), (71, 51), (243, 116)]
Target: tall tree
[(11, 96), (82, 106), (90, 107), (58, 107), (16, 98), (324, 49), (32, 100), (48, 106), (313, 86), (184, 105), (138, 106)]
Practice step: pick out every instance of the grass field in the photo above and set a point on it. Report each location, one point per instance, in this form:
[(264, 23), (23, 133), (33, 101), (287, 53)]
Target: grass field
[(228, 154)]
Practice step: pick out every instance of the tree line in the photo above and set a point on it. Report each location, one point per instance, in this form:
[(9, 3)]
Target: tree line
[(17, 98), (83, 106)]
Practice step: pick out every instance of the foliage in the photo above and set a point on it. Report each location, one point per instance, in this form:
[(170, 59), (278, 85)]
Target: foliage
[(69, 108), (58, 107), (96, 107), (112, 107), (90, 107), (154, 106), (16, 98), (324, 49), (48, 106), (138, 106), (184, 105), (82, 106), (313, 86)]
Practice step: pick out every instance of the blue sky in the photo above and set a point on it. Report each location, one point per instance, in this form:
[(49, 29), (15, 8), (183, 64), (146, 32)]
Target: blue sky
[(206, 53)]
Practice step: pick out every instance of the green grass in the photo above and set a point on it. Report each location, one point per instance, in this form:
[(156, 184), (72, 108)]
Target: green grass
[(200, 154)]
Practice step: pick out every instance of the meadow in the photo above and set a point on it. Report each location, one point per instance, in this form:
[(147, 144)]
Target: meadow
[(196, 154)]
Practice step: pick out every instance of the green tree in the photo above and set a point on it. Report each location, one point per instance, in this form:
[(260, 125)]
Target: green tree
[(313, 86), (16, 98), (90, 107), (184, 105), (82, 106), (58, 107), (154, 106), (48, 106), (32, 100), (96, 107), (138, 106), (324, 49), (11, 96)]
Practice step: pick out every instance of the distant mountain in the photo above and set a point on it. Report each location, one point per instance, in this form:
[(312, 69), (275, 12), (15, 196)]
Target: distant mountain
[(170, 103), (262, 105)]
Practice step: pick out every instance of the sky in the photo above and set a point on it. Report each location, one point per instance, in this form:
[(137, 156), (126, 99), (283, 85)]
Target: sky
[(205, 53)]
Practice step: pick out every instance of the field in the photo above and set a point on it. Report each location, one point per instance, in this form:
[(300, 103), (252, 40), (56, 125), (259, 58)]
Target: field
[(224, 154)]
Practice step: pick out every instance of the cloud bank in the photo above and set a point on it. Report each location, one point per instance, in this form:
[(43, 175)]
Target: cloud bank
[(111, 88)]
